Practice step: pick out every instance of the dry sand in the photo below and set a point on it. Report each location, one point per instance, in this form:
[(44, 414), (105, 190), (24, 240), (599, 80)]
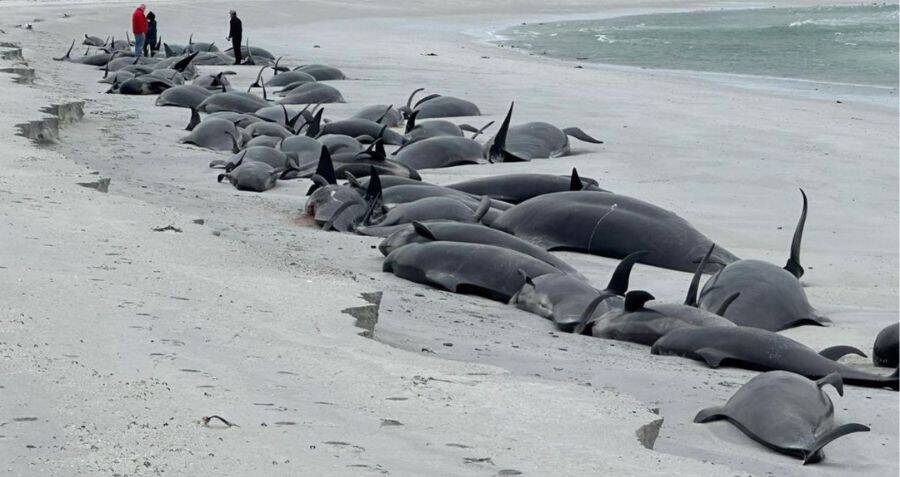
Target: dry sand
[(117, 339)]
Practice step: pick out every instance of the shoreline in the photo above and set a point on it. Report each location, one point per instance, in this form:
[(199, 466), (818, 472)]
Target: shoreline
[(878, 95), (262, 337)]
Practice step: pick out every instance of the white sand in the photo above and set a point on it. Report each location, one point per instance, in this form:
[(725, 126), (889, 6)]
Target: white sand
[(118, 339)]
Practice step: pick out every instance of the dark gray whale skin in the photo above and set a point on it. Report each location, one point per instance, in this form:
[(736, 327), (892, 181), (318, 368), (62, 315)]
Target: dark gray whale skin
[(446, 107), (440, 151), (754, 348), (252, 176), (484, 270), (517, 188), (771, 296), (356, 127), (646, 324), (610, 225), (570, 300), (449, 231), (785, 412), (886, 348)]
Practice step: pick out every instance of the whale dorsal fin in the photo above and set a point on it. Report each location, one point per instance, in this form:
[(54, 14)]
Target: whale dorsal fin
[(691, 298), (314, 126), (793, 263), (374, 198), (325, 169), (635, 300), (575, 183), (411, 122), (618, 283), (495, 153)]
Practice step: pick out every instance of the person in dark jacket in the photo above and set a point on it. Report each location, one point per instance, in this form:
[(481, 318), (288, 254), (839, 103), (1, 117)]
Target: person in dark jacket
[(139, 28), (235, 34), (150, 45)]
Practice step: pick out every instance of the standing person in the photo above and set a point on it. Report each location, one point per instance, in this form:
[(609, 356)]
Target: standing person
[(150, 40), (139, 28), (234, 34)]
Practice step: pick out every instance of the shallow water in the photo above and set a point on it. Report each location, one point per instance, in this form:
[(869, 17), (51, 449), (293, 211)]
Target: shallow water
[(848, 44)]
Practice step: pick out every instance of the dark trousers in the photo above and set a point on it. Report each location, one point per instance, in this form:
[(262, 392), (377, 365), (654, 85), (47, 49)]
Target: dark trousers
[(150, 47), (236, 46)]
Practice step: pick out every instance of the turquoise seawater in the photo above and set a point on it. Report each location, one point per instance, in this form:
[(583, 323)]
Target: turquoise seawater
[(846, 44)]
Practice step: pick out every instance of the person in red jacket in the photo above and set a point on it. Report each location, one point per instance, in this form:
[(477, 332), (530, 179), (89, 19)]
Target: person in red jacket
[(139, 28)]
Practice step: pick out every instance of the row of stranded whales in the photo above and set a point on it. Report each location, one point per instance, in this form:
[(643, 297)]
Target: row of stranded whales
[(494, 236)]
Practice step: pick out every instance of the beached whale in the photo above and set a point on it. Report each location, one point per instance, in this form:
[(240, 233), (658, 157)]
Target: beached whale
[(758, 349), (439, 152), (322, 72), (252, 176), (313, 93), (382, 114), (772, 297), (485, 270), (437, 106), (233, 101), (356, 127), (271, 156), (141, 85), (566, 297), (213, 133), (428, 208), (785, 412), (610, 225), (886, 349), (94, 40), (638, 323), (183, 96), (215, 82), (450, 231), (290, 77), (517, 188), (533, 140)]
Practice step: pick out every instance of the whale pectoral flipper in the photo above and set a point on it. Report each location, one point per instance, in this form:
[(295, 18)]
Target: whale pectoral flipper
[(835, 353), (725, 304), (712, 356), (709, 414), (444, 280), (577, 133), (483, 207), (423, 230), (812, 455), (833, 379)]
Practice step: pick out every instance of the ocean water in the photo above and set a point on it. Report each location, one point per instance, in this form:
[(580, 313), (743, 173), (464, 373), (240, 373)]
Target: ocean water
[(846, 44)]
